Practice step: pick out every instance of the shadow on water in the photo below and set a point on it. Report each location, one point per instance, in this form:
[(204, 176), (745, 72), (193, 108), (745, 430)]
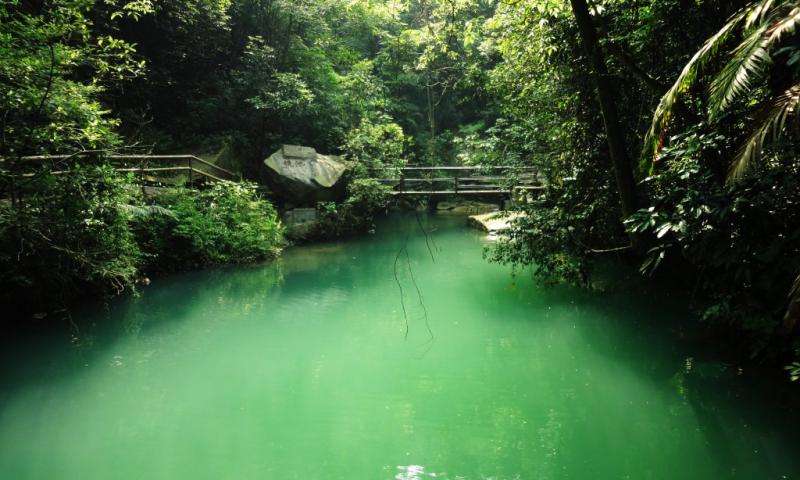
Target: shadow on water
[(54, 353), (59, 350)]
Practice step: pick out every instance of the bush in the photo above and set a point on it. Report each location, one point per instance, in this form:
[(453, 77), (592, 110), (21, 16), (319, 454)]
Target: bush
[(376, 149), (739, 240), (365, 199), (87, 233), (68, 235), (577, 214), (228, 223)]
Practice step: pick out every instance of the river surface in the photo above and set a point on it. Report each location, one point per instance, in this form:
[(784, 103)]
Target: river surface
[(308, 369)]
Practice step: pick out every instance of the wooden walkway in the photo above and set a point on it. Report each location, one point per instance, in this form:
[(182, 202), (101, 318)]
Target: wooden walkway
[(188, 169), (463, 181)]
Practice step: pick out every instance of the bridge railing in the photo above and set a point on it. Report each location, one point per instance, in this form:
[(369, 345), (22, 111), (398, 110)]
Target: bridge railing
[(463, 180), (150, 168)]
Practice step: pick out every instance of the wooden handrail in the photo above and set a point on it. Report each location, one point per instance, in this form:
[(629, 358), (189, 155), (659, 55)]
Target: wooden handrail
[(190, 158), (448, 179), (216, 167), (465, 180), (467, 168), (190, 170), (465, 192), (154, 169)]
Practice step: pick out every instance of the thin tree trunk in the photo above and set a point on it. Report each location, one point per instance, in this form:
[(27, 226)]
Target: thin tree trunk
[(623, 169), (431, 123)]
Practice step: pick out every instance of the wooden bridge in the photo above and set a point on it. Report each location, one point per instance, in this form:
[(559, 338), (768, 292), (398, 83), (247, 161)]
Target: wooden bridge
[(412, 181), (463, 181)]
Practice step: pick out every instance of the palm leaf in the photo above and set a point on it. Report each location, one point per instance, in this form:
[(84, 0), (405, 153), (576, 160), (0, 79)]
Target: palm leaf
[(784, 26), (773, 122), (688, 76), (792, 315), (758, 13), (752, 57), (663, 112), (750, 61)]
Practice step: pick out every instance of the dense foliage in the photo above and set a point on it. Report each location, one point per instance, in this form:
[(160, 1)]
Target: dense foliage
[(76, 227), (251, 75), (226, 223), (704, 215), (366, 198), (92, 233), (71, 235)]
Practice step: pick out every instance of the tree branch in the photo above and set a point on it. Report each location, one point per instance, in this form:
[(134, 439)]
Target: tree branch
[(620, 53), (49, 79)]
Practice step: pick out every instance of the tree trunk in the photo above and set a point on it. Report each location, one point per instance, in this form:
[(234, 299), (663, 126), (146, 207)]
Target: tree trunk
[(623, 169), (431, 123)]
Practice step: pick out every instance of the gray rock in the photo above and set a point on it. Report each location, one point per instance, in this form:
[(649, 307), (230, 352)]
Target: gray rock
[(301, 175), (495, 223)]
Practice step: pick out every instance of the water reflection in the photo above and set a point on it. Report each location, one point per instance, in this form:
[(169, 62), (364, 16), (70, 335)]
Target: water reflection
[(417, 472), (413, 472)]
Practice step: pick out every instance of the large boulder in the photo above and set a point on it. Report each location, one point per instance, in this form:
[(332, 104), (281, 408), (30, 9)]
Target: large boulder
[(302, 176)]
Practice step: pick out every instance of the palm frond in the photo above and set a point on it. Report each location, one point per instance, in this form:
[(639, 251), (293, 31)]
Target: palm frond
[(785, 26), (794, 293), (688, 76), (792, 315), (753, 56), (773, 122), (758, 13), (749, 63)]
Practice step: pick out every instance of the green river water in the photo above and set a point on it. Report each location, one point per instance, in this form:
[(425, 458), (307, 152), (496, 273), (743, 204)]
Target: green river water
[(302, 369)]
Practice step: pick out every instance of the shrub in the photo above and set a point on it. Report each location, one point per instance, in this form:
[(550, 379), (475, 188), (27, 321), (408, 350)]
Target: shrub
[(68, 235), (575, 215), (227, 223), (376, 148), (365, 199), (738, 240)]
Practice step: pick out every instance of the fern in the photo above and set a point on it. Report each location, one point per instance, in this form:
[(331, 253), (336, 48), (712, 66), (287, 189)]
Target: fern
[(146, 211)]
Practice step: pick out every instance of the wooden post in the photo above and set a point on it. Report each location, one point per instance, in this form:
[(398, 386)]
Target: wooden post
[(455, 182), (189, 164)]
